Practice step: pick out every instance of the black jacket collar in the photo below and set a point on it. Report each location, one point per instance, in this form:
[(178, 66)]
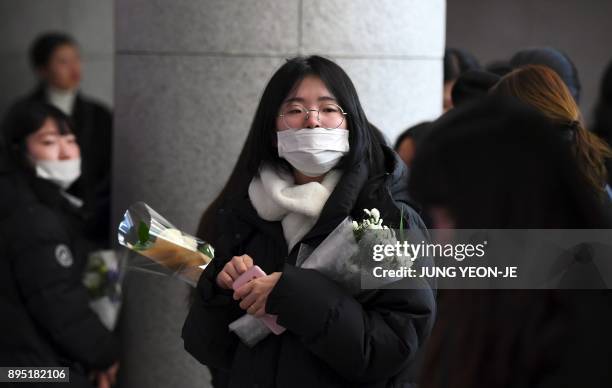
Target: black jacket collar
[(50, 195), (341, 202)]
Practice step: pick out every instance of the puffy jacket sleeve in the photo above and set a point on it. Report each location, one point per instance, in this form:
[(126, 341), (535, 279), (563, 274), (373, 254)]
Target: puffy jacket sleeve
[(50, 283), (205, 332), (361, 342)]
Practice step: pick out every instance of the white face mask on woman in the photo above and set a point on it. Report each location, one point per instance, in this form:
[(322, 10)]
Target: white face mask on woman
[(61, 172), (313, 152)]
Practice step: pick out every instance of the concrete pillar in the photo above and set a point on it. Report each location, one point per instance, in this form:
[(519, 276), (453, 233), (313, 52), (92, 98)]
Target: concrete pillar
[(189, 75)]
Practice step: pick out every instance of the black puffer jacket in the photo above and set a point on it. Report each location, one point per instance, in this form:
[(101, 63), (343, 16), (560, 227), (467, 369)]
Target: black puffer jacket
[(46, 319), (92, 126), (333, 339)]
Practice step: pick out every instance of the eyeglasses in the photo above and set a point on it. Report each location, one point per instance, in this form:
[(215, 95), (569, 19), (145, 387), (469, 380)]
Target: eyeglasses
[(329, 116)]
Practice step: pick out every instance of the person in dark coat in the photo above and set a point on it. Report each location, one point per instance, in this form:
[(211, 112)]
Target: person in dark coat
[(499, 164), (339, 168), (47, 321), (56, 62)]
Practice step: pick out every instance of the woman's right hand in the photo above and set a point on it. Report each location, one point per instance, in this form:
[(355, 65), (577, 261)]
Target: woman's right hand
[(232, 270)]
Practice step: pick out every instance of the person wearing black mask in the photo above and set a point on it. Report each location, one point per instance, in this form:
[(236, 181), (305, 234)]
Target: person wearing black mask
[(56, 62), (47, 320)]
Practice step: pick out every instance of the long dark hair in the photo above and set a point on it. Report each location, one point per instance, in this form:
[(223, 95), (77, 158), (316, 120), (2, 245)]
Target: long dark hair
[(260, 145)]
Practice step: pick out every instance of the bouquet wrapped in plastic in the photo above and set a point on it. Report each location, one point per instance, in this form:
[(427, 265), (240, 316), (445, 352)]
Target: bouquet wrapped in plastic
[(169, 250), (346, 251), (102, 278)]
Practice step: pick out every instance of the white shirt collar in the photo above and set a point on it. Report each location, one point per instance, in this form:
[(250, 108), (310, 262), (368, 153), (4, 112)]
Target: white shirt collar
[(62, 99)]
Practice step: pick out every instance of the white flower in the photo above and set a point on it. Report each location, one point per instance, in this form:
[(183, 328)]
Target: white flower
[(375, 226), (355, 225), (176, 237), (375, 215), (172, 235), (367, 212), (190, 243)]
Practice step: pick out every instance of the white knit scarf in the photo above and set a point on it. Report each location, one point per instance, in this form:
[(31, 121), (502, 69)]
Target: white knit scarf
[(276, 197)]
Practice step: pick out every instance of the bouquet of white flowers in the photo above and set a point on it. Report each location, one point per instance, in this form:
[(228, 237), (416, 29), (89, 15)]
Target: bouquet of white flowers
[(343, 255)]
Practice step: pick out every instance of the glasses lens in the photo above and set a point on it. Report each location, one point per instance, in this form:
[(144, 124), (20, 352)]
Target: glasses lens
[(331, 116), (293, 116)]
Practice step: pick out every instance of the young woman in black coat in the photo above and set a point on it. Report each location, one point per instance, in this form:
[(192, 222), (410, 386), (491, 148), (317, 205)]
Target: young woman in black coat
[(46, 318), (311, 138)]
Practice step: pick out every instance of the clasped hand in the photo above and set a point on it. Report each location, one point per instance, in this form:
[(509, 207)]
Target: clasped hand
[(252, 295)]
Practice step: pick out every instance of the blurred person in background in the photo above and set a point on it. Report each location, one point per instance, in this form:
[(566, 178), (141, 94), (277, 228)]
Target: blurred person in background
[(553, 59), (499, 67), (541, 88), (406, 146), (409, 140), (56, 60), (500, 164), (456, 62), (472, 85), (602, 123), (47, 319)]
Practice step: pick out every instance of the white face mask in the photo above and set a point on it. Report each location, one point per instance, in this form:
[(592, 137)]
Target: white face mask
[(61, 172), (313, 152)]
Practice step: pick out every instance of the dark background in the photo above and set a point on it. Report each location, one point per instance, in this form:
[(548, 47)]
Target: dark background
[(495, 29)]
